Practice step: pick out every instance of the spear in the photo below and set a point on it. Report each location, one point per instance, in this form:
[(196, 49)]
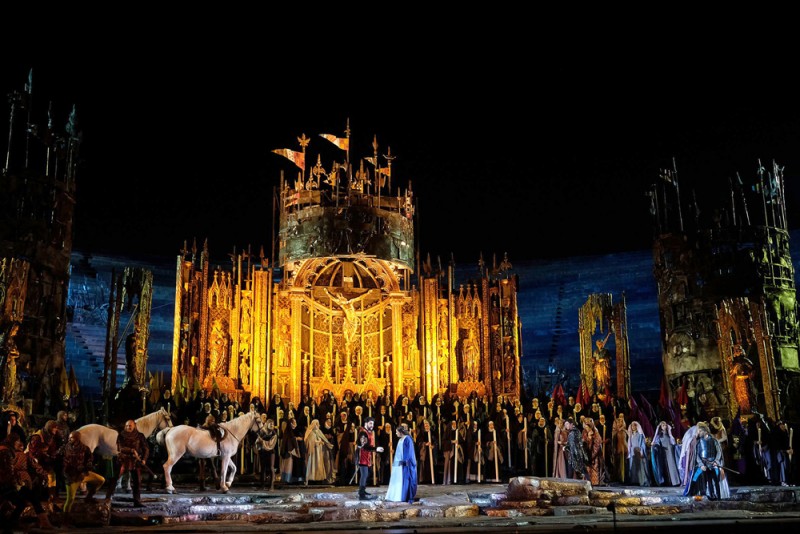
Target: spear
[(791, 435)]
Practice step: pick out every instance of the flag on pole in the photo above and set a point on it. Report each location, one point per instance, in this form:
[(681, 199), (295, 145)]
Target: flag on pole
[(340, 142), (298, 158), (558, 395), (29, 83)]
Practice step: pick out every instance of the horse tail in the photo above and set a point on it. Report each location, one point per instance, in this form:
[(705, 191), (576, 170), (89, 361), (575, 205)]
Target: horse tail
[(161, 437)]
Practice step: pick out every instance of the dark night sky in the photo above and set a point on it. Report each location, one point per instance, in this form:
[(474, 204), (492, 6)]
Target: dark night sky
[(509, 149)]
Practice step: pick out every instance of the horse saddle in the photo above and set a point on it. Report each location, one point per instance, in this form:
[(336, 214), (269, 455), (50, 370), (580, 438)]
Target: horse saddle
[(217, 432)]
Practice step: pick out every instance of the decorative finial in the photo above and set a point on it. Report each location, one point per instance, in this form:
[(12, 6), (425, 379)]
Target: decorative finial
[(303, 140)]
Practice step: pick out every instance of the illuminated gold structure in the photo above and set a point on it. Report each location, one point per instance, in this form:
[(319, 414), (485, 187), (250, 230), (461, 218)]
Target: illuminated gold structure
[(598, 319), (13, 288), (344, 313)]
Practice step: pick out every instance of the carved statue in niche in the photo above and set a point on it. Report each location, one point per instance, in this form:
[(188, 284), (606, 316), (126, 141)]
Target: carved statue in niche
[(244, 369), (470, 356), (509, 365), (742, 371), (12, 354), (183, 348), (601, 363), (443, 315), (413, 349), (285, 331), (444, 346), (247, 311), (219, 349)]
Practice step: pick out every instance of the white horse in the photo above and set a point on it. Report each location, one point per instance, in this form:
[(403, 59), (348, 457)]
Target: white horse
[(197, 442), (104, 439)]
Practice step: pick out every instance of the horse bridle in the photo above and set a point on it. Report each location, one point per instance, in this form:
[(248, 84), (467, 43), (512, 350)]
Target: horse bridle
[(169, 418), (260, 427)]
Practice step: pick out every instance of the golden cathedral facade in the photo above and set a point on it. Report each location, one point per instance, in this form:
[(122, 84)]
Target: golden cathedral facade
[(347, 306)]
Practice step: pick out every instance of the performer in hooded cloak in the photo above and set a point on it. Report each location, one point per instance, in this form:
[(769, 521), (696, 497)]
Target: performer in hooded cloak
[(403, 482)]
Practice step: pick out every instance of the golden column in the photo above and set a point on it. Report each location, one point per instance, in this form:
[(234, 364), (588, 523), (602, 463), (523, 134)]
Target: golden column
[(260, 360), (296, 296), (398, 354), (430, 305), (180, 288), (452, 326)]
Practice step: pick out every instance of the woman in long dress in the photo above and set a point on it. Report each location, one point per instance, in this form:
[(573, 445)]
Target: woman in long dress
[(637, 456), (403, 482), (559, 440), (664, 457), (596, 466), (318, 466)]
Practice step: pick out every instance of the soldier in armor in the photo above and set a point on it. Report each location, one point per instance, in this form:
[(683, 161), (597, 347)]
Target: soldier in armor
[(708, 459)]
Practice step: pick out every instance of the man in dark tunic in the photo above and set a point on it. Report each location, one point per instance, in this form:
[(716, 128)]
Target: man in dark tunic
[(133, 453)]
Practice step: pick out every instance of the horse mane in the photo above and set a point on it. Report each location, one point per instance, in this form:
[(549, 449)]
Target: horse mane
[(150, 419), (236, 422)]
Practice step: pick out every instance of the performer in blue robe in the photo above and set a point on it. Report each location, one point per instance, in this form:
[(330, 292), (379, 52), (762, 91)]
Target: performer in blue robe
[(403, 482)]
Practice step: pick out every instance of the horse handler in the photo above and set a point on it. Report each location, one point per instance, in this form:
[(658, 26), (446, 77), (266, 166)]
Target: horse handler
[(133, 452)]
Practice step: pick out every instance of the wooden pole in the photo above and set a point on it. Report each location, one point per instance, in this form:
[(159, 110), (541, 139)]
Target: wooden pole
[(430, 456), (439, 426), (494, 452), (455, 456), (508, 440), (525, 430), (391, 453), (546, 446), (603, 445), (480, 456)]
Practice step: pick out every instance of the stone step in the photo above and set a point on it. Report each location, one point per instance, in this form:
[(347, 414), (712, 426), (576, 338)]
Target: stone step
[(301, 505)]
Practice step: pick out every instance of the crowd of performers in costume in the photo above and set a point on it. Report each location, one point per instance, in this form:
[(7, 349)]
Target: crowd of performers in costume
[(477, 439), (369, 441)]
